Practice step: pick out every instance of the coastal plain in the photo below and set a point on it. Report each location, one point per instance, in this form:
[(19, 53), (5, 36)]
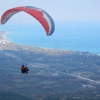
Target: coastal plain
[(54, 74)]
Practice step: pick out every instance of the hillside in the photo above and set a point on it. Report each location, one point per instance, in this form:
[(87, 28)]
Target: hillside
[(53, 73)]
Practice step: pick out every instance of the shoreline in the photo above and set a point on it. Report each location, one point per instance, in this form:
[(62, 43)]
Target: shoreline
[(4, 36), (4, 40)]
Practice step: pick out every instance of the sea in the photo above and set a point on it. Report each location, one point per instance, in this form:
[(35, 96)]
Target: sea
[(76, 36)]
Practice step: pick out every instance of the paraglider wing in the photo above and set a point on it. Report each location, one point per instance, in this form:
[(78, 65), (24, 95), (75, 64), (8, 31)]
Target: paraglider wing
[(43, 17)]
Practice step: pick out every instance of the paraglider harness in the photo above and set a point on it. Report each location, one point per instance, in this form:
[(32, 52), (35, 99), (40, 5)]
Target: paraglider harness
[(24, 69)]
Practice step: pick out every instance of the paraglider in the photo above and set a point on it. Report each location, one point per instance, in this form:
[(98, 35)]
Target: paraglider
[(43, 17), (24, 69)]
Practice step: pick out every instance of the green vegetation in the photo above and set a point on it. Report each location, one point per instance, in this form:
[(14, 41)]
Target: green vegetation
[(49, 77), (12, 96)]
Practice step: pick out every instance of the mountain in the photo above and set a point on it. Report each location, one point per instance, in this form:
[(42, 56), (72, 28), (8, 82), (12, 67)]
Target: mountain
[(53, 73)]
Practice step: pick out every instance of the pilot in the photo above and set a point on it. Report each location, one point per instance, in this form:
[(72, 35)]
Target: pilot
[(24, 69)]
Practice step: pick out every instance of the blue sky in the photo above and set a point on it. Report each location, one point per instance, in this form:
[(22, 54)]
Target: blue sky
[(60, 10)]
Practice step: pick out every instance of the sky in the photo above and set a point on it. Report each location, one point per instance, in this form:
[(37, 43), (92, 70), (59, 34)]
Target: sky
[(60, 10), (64, 13)]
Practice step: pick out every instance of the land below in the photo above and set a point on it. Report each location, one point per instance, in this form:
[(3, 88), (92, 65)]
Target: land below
[(54, 74)]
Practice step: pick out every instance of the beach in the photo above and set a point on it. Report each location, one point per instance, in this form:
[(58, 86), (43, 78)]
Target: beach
[(3, 39)]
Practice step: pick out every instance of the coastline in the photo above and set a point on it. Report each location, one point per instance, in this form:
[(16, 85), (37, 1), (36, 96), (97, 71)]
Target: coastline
[(3, 40), (3, 37)]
